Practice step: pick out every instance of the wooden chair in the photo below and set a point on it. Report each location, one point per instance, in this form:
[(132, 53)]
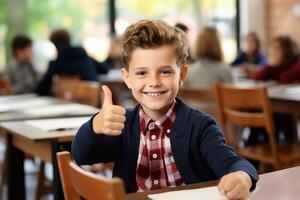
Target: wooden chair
[(5, 88), (71, 88), (87, 92), (236, 106), (78, 183), (64, 86), (201, 98)]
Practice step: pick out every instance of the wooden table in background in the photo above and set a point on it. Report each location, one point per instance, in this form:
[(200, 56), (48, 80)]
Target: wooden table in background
[(22, 138)]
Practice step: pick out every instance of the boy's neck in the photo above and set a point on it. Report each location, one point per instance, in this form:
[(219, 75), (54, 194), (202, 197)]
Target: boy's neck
[(154, 114)]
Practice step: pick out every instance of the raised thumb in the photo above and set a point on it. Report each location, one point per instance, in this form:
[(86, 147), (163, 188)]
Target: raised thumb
[(107, 96)]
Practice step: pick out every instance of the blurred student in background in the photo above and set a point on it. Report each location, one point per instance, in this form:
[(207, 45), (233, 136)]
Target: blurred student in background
[(208, 66), (283, 62), (251, 55), (70, 61), (185, 29), (19, 70), (284, 67), (114, 60)]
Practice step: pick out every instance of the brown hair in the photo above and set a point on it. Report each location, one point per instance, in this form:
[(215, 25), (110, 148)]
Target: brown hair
[(60, 38), (208, 44), (151, 34), (20, 42), (289, 49)]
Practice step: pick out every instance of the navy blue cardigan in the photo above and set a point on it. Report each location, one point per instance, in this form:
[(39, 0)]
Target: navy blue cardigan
[(198, 147)]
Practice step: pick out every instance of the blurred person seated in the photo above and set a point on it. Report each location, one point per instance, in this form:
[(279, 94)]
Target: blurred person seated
[(114, 60), (185, 29), (19, 70), (284, 67), (283, 62), (70, 61), (209, 66), (252, 55)]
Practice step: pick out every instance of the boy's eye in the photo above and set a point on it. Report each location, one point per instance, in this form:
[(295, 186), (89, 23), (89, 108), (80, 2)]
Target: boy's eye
[(166, 72), (140, 73)]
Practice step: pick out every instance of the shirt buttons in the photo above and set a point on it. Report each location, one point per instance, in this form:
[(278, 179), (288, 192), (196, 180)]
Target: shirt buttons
[(168, 131), (155, 182), (153, 137), (154, 155)]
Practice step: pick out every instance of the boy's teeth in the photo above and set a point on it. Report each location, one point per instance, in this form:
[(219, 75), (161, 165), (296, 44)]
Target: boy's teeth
[(154, 94)]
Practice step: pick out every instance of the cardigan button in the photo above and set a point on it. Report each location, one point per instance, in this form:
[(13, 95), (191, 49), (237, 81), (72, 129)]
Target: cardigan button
[(155, 182)]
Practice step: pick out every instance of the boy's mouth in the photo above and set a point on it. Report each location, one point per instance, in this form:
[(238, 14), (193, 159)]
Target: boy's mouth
[(154, 94)]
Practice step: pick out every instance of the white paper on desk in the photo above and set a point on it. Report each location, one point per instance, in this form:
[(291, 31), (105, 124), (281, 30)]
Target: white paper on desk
[(57, 123), (292, 90), (61, 109), (209, 193), (23, 104)]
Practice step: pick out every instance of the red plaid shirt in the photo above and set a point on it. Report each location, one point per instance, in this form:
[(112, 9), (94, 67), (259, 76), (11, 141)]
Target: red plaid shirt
[(156, 167)]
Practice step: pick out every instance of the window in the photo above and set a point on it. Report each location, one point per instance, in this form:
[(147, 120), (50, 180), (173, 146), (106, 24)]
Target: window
[(193, 13)]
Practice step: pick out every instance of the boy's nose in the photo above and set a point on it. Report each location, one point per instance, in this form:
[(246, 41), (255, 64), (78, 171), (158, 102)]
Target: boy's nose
[(154, 81)]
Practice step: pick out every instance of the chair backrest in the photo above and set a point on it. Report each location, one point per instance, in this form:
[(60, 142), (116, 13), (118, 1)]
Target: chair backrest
[(201, 98), (87, 92), (245, 107), (78, 183), (63, 86), (5, 87), (71, 88)]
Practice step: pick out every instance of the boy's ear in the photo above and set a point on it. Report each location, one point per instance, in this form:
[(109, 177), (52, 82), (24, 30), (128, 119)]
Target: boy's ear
[(183, 74), (125, 76)]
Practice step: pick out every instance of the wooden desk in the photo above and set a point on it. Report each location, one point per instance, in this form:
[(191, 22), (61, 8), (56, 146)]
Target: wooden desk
[(24, 138), (20, 137), (23, 107), (279, 185), (286, 102)]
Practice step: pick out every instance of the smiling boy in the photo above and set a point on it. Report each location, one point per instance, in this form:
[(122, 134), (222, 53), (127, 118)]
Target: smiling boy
[(162, 142)]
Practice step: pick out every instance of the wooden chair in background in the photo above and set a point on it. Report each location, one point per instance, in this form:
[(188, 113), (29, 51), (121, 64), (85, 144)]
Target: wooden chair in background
[(5, 88), (78, 183), (64, 86), (72, 89), (236, 106), (202, 99)]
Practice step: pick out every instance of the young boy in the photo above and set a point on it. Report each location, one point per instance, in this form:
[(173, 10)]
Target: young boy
[(162, 142), (19, 70)]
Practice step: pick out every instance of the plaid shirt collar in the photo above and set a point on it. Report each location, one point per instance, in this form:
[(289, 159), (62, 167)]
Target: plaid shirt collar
[(162, 123)]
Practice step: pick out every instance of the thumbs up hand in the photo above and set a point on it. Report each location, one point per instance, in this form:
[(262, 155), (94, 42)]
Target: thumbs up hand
[(111, 119)]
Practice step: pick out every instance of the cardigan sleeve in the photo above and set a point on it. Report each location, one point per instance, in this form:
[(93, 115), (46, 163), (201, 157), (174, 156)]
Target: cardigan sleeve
[(90, 148), (220, 157)]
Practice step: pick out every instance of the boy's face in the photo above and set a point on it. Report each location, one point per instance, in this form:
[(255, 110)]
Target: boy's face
[(154, 78), (24, 55)]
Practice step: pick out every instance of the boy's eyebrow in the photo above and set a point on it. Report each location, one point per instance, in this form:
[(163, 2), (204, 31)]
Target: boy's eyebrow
[(146, 68), (140, 68)]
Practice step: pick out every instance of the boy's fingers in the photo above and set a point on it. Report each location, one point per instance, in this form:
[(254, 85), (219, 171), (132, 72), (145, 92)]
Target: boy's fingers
[(235, 193), (116, 126), (229, 185), (116, 118), (221, 185), (118, 110), (115, 132), (107, 95)]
